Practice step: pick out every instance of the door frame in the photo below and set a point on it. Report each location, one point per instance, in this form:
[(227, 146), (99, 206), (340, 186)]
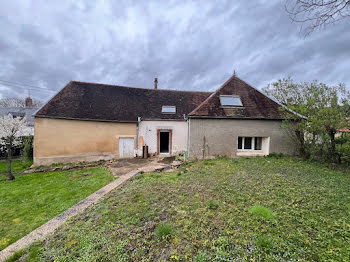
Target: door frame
[(125, 136), (170, 140)]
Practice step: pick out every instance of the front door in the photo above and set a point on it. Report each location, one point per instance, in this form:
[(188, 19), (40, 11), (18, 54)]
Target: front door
[(126, 147), (164, 142)]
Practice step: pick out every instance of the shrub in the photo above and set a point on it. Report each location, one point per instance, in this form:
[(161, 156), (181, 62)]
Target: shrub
[(276, 155), (164, 231), (213, 205), (27, 150), (262, 212), (264, 242)]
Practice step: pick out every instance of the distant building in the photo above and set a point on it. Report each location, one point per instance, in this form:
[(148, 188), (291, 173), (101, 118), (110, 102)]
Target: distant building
[(26, 112)]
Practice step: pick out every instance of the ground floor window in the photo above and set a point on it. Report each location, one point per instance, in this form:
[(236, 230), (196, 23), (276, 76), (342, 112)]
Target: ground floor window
[(249, 143)]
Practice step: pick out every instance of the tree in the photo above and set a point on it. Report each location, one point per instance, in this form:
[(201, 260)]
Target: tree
[(10, 137), (314, 14), (17, 102), (325, 108)]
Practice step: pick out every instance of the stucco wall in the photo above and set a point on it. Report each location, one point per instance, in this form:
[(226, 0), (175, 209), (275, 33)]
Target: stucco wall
[(221, 137), (148, 130), (58, 140)]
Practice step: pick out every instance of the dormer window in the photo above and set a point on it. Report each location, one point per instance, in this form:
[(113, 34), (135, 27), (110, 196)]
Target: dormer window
[(168, 109), (230, 101)]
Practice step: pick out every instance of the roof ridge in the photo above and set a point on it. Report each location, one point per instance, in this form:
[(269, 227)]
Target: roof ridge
[(132, 87), (212, 95)]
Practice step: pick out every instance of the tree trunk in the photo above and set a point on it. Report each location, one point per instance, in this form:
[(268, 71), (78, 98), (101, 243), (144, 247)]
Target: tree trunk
[(9, 162), (332, 151), (302, 150)]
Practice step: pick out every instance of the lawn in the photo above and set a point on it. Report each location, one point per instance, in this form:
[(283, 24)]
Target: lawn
[(257, 209), (18, 166), (31, 200)]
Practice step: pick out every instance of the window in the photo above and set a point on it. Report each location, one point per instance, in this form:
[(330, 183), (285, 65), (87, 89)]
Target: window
[(168, 109), (257, 143), (249, 143), (230, 101)]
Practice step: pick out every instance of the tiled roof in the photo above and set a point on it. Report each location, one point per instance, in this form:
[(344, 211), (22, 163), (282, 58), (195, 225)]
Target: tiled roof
[(100, 102), (256, 105), (20, 111)]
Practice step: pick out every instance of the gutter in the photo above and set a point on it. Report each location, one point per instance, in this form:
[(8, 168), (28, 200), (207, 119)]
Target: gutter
[(188, 138), (84, 119), (137, 134)]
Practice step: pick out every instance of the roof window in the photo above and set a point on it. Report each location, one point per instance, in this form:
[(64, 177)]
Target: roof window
[(230, 101), (168, 109)]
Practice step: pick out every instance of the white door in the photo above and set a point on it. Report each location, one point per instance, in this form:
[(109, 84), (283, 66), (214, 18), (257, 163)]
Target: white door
[(126, 147)]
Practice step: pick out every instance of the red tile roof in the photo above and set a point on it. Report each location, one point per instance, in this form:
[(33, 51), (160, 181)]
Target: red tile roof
[(256, 105)]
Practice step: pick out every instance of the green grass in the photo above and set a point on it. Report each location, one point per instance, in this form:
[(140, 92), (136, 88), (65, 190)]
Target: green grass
[(17, 166), (262, 212), (213, 206), (163, 231), (31, 200)]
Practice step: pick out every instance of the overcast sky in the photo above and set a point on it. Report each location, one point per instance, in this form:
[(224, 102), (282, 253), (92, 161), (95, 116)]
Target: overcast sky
[(188, 45)]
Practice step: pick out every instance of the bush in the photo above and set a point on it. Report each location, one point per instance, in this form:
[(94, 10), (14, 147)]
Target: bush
[(262, 212), (27, 150), (213, 205), (164, 231), (275, 155)]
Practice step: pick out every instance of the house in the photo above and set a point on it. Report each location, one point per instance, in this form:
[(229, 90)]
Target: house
[(237, 120), (27, 112), (89, 122)]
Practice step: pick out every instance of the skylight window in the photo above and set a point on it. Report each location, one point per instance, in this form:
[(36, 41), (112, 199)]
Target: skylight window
[(168, 109), (230, 101)]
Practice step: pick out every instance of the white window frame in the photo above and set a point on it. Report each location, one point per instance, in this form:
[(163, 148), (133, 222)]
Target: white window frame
[(169, 107), (253, 144), (230, 106)]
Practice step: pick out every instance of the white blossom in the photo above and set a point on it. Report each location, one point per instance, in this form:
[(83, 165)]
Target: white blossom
[(11, 129)]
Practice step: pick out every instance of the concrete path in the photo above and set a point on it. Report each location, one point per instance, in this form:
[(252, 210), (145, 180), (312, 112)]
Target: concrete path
[(47, 228)]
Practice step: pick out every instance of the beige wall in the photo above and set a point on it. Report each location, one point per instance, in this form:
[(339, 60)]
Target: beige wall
[(58, 140), (221, 137), (148, 131)]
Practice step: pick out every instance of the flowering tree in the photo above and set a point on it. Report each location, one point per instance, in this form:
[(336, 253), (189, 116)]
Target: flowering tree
[(11, 130)]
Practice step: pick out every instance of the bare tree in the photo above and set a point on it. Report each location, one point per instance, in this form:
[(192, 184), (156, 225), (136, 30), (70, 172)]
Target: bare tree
[(314, 14), (17, 102), (11, 130)]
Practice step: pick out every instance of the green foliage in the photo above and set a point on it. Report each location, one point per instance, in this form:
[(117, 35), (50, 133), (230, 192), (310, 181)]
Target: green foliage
[(310, 203), (202, 257), (164, 231), (262, 212), (275, 155), (27, 150), (264, 242), (326, 109), (33, 199), (213, 205)]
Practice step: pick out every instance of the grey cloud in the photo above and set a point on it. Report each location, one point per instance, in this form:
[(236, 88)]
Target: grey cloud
[(188, 45)]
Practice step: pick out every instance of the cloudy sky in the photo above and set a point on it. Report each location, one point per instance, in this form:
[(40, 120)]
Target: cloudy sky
[(188, 45)]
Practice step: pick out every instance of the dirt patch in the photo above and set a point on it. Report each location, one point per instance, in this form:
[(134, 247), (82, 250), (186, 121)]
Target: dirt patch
[(84, 175), (167, 160)]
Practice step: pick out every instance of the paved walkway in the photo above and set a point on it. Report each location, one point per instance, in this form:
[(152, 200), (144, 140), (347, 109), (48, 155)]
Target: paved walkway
[(41, 232)]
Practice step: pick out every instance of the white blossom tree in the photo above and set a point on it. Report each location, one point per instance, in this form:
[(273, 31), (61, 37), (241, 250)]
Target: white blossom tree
[(11, 130)]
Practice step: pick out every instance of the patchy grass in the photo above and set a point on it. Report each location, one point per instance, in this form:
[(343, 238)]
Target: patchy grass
[(262, 212), (18, 166), (212, 207), (164, 231), (31, 200)]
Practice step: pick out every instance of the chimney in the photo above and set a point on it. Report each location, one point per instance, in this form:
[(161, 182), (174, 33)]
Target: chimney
[(156, 83), (29, 102)]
